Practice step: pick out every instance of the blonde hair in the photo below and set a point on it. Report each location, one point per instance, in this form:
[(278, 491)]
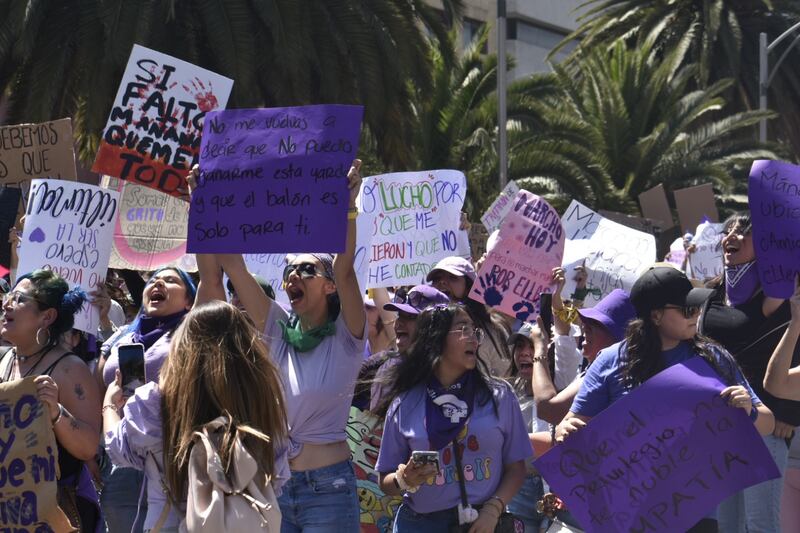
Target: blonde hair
[(218, 365)]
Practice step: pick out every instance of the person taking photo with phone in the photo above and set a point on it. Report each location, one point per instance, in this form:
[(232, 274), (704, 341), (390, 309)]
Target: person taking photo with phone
[(443, 400)]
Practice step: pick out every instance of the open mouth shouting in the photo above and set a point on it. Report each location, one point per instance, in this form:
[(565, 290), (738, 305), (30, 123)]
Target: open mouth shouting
[(157, 297), (294, 293)]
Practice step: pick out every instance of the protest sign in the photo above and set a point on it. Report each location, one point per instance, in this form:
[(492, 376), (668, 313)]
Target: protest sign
[(28, 462), (493, 216), (677, 253), (612, 254), (150, 231), (654, 205), (31, 151), (69, 227), (520, 266), (706, 260), (274, 180), (364, 432), (9, 203), (412, 221), (646, 464), (152, 136), (775, 207), (696, 204)]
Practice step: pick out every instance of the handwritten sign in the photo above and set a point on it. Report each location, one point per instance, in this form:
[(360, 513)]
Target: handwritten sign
[(412, 221), (68, 229), (274, 180), (493, 216), (645, 464), (150, 231), (677, 253), (152, 136), (28, 462), (364, 433), (519, 268), (612, 254), (31, 151), (706, 261), (775, 207)]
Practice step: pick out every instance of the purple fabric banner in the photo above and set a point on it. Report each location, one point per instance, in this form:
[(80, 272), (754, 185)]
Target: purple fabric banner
[(274, 180), (775, 209), (661, 458)]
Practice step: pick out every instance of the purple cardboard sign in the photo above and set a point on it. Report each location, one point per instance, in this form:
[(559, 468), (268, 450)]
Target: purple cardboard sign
[(274, 180), (775, 208), (661, 458)]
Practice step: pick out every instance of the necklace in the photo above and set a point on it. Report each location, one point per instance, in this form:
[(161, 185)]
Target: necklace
[(44, 351), (23, 358)]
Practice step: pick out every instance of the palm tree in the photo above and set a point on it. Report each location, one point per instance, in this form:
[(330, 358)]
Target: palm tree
[(632, 115), (66, 58), (724, 44)]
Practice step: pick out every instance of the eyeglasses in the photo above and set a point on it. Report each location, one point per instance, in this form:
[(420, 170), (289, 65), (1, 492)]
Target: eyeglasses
[(303, 270), (18, 297), (688, 311), (469, 332)]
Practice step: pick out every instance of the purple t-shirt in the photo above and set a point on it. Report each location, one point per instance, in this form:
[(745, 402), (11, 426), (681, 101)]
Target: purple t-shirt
[(318, 385), (154, 356), (490, 443)]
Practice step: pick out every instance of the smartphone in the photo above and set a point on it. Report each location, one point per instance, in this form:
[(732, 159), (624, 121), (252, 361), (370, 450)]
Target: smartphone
[(546, 311), (131, 365), (422, 458)]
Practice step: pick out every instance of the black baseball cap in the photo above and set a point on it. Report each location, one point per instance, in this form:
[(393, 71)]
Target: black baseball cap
[(662, 286)]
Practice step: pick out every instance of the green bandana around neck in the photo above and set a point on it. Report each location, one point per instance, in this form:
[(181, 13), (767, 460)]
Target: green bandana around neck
[(305, 341)]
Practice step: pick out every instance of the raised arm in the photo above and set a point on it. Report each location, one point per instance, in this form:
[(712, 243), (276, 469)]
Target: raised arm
[(781, 380), (210, 287), (256, 303), (343, 270)]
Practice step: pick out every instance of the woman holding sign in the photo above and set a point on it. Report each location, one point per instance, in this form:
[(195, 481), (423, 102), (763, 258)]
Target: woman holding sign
[(37, 312), (664, 334), (442, 404), (318, 348), (749, 325)]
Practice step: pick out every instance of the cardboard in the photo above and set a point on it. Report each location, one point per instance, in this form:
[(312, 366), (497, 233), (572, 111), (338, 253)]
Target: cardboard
[(696, 204), (654, 205)]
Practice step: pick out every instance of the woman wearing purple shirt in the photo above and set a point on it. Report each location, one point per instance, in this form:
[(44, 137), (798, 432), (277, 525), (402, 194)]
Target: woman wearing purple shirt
[(318, 348), (442, 393)]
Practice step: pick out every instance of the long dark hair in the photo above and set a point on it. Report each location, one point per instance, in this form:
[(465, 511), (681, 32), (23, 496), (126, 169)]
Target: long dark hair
[(642, 347), (433, 327), (482, 317), (742, 219)]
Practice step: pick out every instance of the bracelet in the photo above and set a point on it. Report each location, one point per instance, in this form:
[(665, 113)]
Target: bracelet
[(539, 359), (352, 215), (107, 406), (58, 418), (566, 314), (352, 210), (499, 499), (401, 482)]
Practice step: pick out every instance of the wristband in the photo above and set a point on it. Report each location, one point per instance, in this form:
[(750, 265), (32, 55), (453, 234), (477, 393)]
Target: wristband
[(109, 406), (58, 418), (352, 215)]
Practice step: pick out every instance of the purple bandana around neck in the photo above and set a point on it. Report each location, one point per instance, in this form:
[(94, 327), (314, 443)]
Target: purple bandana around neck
[(741, 282), (151, 328), (447, 409)]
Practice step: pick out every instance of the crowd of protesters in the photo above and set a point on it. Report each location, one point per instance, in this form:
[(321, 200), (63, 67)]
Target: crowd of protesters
[(444, 373)]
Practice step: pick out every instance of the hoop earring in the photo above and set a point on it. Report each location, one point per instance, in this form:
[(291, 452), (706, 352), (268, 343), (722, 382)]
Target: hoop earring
[(40, 343)]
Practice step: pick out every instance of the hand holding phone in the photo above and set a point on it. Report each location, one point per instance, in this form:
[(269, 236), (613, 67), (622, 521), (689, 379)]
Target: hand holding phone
[(422, 458), (131, 366)]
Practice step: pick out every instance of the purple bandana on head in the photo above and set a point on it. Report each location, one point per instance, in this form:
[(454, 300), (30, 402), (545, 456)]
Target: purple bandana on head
[(741, 282), (447, 409)]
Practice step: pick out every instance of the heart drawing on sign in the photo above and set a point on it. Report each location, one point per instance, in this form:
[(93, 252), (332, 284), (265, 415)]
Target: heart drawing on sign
[(36, 235)]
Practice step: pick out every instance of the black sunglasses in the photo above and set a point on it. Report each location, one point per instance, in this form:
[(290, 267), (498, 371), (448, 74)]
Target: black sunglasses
[(304, 270), (688, 310)]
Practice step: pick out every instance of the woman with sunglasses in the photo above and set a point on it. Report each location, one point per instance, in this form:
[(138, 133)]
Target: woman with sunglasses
[(168, 295), (750, 325), (442, 394), (318, 348), (663, 334), (36, 314)]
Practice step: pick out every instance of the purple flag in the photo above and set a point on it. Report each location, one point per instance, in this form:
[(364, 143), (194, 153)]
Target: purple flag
[(274, 180), (775, 210), (661, 458)]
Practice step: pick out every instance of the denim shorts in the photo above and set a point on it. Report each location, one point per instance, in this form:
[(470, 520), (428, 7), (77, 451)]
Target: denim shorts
[(321, 501)]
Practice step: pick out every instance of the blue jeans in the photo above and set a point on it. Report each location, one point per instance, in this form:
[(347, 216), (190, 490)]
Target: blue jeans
[(321, 501), (408, 521), (119, 499), (757, 509), (523, 505)]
